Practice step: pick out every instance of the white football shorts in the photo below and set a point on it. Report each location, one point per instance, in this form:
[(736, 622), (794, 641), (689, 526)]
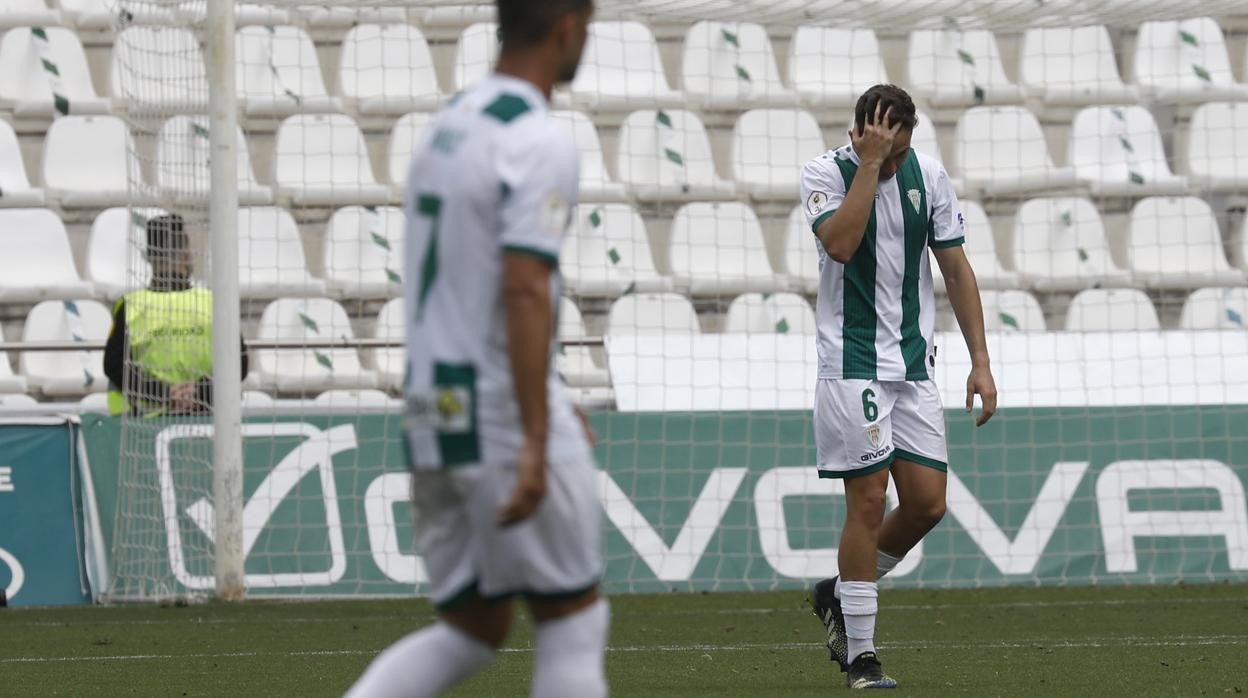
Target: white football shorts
[(861, 426)]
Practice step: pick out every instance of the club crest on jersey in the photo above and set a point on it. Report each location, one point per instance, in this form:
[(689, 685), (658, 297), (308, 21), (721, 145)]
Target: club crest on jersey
[(873, 435), (816, 202), (916, 200), (556, 215)]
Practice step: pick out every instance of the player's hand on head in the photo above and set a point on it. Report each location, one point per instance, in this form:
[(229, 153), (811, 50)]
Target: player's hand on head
[(981, 383), (530, 486), (874, 143)]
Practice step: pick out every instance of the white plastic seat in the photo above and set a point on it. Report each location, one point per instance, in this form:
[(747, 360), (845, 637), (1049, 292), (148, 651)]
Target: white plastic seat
[(37, 262), (158, 70), (339, 400), (322, 160), (1111, 310), (576, 362), (959, 68), (1001, 150), (183, 171), (15, 189), (1072, 66), (608, 254), (1117, 151), (27, 13), (1060, 245), (596, 184), (652, 313), (1184, 62), (801, 253), (278, 73), (387, 69), (777, 313), (26, 82), (1010, 311), (1175, 244), (64, 373), (257, 400), (475, 53), (621, 70), (391, 362), (306, 371), (342, 16), (718, 249), (769, 148), (9, 383), (1215, 309), (666, 155), (363, 252), (246, 14), (91, 162), (117, 251), (404, 138), (981, 250), (832, 67), (270, 253), (104, 14), (1217, 149), (95, 403), (731, 65)]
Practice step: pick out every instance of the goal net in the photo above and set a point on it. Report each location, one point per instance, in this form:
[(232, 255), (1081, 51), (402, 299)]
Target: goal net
[(1097, 153)]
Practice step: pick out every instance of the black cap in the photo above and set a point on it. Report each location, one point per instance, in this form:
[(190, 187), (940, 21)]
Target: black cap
[(166, 235)]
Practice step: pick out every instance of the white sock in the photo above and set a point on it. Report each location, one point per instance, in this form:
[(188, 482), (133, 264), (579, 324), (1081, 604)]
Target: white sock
[(569, 661), (884, 563), (859, 603), (424, 664)]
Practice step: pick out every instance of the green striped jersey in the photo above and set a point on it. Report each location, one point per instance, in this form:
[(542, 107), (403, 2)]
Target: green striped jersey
[(876, 313)]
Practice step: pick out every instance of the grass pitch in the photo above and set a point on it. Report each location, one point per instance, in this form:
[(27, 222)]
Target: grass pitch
[(1179, 640)]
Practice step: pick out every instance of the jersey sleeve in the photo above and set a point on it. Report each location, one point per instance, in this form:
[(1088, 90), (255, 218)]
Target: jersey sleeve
[(948, 227), (823, 190), (538, 168)]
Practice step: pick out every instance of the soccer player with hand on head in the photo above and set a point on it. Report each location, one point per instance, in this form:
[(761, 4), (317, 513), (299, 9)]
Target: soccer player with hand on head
[(504, 485), (876, 206)]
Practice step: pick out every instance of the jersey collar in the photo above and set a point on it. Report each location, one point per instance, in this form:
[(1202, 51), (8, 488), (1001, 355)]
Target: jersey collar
[(530, 90), (847, 152)]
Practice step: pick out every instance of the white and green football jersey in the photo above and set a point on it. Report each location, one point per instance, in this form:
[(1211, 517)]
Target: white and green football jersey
[(876, 314), (493, 174)]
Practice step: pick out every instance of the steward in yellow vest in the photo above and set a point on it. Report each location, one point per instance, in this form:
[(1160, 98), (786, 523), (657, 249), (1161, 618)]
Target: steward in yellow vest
[(159, 353)]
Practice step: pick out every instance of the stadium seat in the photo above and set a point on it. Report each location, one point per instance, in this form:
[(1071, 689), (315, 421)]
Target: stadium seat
[(363, 252), (9, 383), (246, 14), (1001, 150), (769, 147), (391, 362), (257, 400), (352, 400), (801, 254), (666, 155), (476, 53), (1217, 149), (652, 313), (90, 162), (1117, 151), (1112, 310), (1175, 244), (1060, 245), (182, 168), (308, 371), (1215, 309), (387, 69), (27, 75), (831, 67), (952, 68), (728, 66), (158, 70), (27, 13), (278, 73), (404, 138), (18, 403), (65, 373), (622, 71), (1009, 311), (776, 313), (117, 251), (596, 183), (576, 362), (608, 254), (343, 15), (15, 189), (99, 15), (1239, 250), (718, 250), (94, 403), (981, 251), (37, 262), (1072, 66), (322, 160), (270, 254), (1184, 62)]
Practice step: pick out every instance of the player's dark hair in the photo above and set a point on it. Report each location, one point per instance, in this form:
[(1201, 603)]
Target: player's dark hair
[(886, 96), (165, 235), (524, 23)]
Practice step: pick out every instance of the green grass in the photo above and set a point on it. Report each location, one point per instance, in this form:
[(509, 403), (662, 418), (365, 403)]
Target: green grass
[(1184, 640)]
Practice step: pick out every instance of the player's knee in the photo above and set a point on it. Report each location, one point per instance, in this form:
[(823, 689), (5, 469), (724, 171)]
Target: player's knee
[(868, 507), (933, 512)]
